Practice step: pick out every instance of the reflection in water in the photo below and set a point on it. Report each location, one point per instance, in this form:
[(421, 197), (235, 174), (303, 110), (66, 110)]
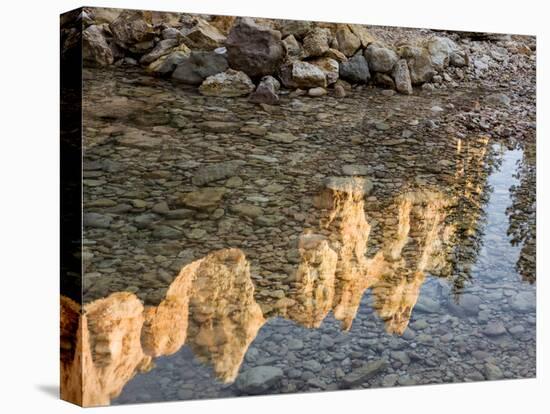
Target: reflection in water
[(115, 338), (211, 306)]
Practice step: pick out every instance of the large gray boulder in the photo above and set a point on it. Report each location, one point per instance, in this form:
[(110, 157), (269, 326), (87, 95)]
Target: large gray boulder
[(255, 50), (199, 65), (380, 58), (355, 70)]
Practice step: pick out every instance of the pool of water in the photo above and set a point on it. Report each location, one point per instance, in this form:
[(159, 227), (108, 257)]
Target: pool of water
[(322, 244)]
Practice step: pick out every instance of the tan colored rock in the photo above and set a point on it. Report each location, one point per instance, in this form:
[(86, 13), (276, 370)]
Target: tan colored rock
[(132, 27), (363, 34), (330, 68), (316, 42), (223, 23), (348, 42), (230, 83), (203, 36)]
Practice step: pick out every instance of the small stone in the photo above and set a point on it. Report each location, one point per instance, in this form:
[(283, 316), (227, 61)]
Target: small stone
[(96, 220), (493, 372), (312, 365), (295, 344), (524, 302), (355, 169), (317, 92), (364, 373), (246, 210), (281, 137), (494, 329), (204, 199), (214, 172), (259, 379)]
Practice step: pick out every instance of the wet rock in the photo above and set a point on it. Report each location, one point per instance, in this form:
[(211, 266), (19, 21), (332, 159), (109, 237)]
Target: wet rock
[(281, 137), (161, 48), (295, 344), (330, 67), (494, 329), (427, 305), (259, 379), (166, 232), (420, 64), (401, 356), (355, 70), (95, 48), (402, 77), (380, 58), (267, 91), (524, 302), (364, 373), (219, 126), (215, 172), (132, 27), (355, 169), (316, 42), (204, 199), (390, 380), (255, 50), (348, 42), (306, 75), (136, 138), (246, 210), (469, 304), (96, 220), (312, 365), (203, 36), (227, 84), (200, 65), (493, 372)]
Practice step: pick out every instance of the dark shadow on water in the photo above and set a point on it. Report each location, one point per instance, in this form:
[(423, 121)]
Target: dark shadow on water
[(50, 389)]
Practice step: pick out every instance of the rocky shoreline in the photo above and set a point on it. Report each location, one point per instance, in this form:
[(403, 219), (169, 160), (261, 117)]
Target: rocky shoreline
[(266, 58)]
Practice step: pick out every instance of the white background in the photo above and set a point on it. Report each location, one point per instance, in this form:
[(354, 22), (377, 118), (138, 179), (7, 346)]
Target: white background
[(29, 206)]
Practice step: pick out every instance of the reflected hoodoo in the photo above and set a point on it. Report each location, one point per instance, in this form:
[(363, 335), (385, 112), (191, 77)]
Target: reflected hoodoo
[(210, 304), (224, 318)]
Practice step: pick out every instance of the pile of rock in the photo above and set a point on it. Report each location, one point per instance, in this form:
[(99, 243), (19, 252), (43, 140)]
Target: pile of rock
[(229, 56)]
